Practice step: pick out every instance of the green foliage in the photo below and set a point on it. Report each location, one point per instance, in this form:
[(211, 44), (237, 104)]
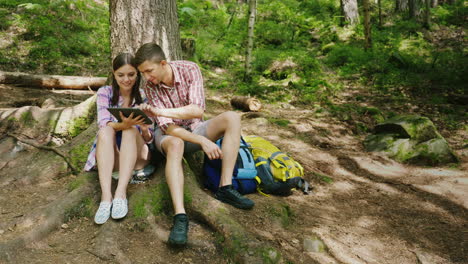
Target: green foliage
[(57, 37), (279, 122)]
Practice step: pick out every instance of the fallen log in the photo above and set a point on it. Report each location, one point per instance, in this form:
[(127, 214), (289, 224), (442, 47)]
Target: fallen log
[(51, 81), (246, 104)]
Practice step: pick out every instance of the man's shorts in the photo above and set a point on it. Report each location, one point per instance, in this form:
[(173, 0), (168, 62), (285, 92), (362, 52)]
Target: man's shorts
[(189, 147)]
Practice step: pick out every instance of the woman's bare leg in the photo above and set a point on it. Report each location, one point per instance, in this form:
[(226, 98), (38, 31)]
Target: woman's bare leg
[(133, 153), (105, 155)]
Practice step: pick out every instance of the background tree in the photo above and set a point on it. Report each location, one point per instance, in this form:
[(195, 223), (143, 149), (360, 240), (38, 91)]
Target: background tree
[(349, 9), (250, 39), (367, 26), (427, 13), (401, 5), (413, 7), (133, 23)]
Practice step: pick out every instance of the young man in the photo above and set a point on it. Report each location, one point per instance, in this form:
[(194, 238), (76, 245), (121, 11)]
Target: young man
[(177, 102)]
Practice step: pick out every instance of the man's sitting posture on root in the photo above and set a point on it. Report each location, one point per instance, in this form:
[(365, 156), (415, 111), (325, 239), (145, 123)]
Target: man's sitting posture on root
[(177, 102)]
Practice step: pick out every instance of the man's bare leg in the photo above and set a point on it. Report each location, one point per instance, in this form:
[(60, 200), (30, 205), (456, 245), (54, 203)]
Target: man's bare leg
[(174, 149), (229, 125)]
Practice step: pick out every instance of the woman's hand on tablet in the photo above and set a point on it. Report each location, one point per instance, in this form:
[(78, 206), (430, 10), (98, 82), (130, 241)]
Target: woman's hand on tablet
[(130, 121)]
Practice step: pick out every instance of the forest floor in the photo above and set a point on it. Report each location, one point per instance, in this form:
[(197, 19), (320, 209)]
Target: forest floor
[(365, 207)]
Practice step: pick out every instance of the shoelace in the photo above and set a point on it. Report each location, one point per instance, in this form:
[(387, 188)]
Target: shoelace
[(180, 224), (235, 193)]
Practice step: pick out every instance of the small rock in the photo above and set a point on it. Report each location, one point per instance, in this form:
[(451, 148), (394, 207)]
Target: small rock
[(261, 121), (65, 226), (2, 231), (295, 241), (11, 229), (314, 244)]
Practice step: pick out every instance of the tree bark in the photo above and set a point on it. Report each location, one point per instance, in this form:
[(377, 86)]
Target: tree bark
[(250, 38), (51, 81), (427, 13), (246, 103), (134, 23), (349, 9), (401, 5), (379, 2), (413, 8), (434, 3), (367, 26)]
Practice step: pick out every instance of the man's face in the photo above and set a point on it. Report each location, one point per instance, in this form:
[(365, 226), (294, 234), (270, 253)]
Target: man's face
[(152, 71)]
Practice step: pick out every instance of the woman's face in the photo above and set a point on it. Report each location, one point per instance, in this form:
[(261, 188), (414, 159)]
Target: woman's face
[(126, 76)]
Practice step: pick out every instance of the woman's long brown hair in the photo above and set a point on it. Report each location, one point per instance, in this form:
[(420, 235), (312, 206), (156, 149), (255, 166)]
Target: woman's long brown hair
[(121, 60)]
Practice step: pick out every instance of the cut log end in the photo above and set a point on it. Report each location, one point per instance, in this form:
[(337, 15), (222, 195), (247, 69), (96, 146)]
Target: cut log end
[(247, 104)]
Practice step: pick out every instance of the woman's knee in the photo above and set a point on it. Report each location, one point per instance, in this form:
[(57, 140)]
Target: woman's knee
[(106, 133), (131, 132)]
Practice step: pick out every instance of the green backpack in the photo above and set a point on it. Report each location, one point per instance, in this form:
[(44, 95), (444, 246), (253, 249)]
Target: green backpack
[(278, 172)]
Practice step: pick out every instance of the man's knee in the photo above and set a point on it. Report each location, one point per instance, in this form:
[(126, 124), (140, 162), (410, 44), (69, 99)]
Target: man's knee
[(106, 133), (172, 145), (232, 118)]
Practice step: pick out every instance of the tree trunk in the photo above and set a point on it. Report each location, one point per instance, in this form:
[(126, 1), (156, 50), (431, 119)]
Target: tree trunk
[(413, 7), (51, 81), (434, 3), (379, 2), (427, 13), (246, 103), (349, 9), (367, 26), (134, 23), (401, 5), (250, 38)]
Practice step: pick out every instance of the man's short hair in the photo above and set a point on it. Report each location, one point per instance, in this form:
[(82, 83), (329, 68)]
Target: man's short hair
[(149, 52)]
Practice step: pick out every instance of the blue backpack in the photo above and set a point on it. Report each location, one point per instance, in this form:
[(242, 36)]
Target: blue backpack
[(244, 174)]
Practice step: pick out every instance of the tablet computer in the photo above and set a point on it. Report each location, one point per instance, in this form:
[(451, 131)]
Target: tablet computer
[(127, 111)]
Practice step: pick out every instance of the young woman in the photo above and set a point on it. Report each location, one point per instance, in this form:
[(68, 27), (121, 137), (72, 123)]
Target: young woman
[(121, 146)]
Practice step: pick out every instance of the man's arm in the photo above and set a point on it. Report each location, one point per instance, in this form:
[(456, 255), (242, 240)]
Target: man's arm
[(186, 112)]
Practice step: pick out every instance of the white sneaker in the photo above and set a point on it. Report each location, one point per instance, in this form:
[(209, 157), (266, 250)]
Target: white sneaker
[(103, 213), (119, 208)]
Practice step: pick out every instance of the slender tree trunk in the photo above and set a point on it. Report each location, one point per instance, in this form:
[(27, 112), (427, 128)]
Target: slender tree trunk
[(379, 2), (427, 13), (136, 22), (413, 8), (367, 26), (250, 38), (401, 5), (349, 9), (434, 3)]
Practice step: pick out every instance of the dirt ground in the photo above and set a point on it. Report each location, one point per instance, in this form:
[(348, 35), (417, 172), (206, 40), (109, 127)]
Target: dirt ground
[(365, 207)]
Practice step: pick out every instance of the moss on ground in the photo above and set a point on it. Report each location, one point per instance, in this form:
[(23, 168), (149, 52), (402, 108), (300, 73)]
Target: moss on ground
[(85, 208), (158, 198)]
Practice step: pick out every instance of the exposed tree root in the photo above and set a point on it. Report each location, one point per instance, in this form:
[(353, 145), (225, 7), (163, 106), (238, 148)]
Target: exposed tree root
[(242, 246), (55, 150), (106, 244), (45, 220)]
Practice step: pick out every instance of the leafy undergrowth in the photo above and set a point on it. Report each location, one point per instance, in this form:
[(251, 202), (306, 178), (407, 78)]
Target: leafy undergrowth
[(55, 37)]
